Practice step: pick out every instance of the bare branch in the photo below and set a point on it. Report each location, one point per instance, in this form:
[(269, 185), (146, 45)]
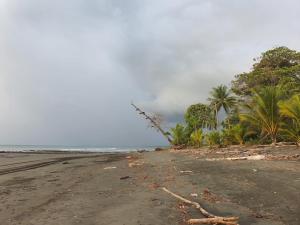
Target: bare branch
[(155, 122)]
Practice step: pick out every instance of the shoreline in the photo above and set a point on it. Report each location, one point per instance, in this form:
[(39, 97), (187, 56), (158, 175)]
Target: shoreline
[(126, 188)]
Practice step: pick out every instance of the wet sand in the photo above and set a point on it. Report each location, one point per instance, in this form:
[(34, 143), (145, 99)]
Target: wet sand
[(125, 189)]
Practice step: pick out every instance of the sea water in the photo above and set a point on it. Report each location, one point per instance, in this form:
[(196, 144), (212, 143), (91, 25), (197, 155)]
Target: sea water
[(34, 148)]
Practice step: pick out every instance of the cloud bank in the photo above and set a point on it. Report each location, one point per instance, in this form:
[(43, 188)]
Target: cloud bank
[(69, 69)]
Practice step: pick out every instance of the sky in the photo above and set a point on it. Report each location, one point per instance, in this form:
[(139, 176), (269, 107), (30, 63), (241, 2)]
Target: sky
[(70, 69)]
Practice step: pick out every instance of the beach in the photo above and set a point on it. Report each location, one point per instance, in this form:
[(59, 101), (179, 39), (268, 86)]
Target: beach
[(54, 188)]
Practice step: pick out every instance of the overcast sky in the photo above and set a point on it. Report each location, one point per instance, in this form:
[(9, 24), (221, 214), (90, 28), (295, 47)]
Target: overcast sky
[(70, 68)]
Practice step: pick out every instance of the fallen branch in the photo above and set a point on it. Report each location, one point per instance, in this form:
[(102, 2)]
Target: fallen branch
[(251, 157), (211, 218), (215, 220), (186, 171)]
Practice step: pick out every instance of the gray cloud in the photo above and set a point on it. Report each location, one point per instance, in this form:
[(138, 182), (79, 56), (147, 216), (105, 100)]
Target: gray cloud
[(69, 69)]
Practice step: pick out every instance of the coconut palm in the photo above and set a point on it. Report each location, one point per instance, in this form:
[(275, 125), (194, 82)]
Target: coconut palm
[(213, 138), (290, 109), (178, 135), (196, 138), (221, 97), (263, 112), (239, 133), (235, 134)]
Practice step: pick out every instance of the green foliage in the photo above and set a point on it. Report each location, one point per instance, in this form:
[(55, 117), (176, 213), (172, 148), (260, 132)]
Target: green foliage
[(234, 135), (213, 138), (276, 67), (221, 97), (232, 118), (291, 132), (227, 137), (262, 112), (196, 138), (199, 116), (264, 109), (239, 133), (290, 109), (178, 135)]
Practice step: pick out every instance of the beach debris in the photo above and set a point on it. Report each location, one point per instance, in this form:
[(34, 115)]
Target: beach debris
[(186, 171), (179, 147), (211, 218), (158, 149), (154, 186), (125, 177), (264, 215), (194, 195), (109, 167), (128, 157), (258, 215), (211, 197), (135, 164), (215, 220), (141, 151), (284, 157), (251, 157), (182, 206)]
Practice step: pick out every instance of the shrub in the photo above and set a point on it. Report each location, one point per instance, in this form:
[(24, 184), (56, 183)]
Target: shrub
[(196, 138), (178, 135), (213, 138), (290, 110)]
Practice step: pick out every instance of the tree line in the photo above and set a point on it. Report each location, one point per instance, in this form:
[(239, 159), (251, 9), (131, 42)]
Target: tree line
[(261, 106)]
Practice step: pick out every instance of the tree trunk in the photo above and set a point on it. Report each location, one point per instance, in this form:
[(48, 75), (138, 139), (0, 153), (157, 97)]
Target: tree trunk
[(217, 120), (274, 141), (153, 122)]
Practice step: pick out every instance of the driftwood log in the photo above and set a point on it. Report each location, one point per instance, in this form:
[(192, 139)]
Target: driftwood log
[(251, 157), (211, 218), (215, 220)]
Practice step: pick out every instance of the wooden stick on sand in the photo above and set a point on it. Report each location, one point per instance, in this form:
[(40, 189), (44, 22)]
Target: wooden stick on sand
[(211, 219)]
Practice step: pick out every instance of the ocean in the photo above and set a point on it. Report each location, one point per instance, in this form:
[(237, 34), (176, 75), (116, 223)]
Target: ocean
[(35, 148)]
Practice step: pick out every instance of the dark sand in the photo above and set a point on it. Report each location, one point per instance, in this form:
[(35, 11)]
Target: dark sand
[(74, 188)]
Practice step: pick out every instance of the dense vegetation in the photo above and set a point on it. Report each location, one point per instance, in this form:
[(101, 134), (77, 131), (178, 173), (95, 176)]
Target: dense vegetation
[(261, 106)]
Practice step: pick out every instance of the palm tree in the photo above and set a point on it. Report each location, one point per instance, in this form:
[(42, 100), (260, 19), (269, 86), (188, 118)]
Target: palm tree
[(290, 109), (178, 135), (221, 97), (263, 112), (197, 138), (213, 138)]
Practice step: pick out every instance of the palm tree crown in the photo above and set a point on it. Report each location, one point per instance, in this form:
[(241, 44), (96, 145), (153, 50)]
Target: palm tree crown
[(221, 97), (290, 109), (263, 112)]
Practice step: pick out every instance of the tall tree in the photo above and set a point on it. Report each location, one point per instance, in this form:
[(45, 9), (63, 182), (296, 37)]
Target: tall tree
[(199, 116), (221, 97), (279, 66)]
